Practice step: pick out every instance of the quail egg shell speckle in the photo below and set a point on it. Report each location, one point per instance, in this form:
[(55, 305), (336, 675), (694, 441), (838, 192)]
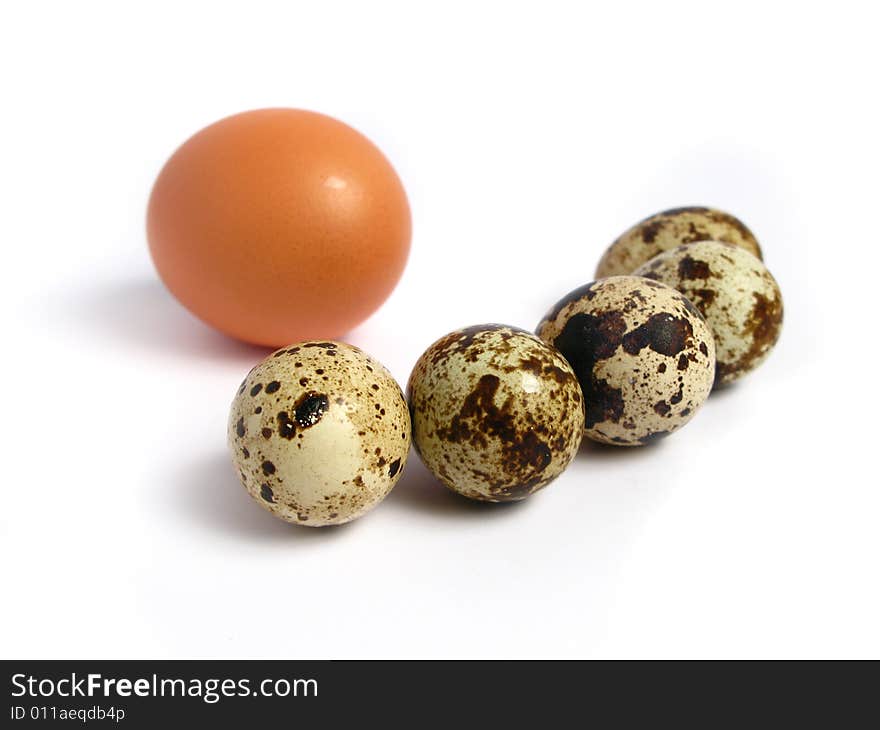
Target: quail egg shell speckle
[(643, 354), (319, 433), (736, 294), (671, 228), (497, 414)]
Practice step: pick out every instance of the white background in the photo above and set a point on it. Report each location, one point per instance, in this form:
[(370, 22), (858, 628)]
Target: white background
[(528, 136)]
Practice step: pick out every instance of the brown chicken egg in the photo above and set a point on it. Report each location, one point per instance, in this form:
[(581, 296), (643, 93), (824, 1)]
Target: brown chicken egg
[(278, 225)]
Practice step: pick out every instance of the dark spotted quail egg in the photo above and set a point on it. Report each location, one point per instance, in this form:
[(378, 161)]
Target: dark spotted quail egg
[(319, 433), (736, 294), (669, 229), (497, 414), (643, 354)]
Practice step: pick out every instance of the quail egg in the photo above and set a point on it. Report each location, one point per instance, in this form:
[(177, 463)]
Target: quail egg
[(319, 433), (497, 414), (669, 229), (736, 294), (643, 354)]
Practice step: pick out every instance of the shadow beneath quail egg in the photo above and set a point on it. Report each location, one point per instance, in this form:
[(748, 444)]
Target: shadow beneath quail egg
[(421, 491), (722, 391), (594, 451), (208, 494), (141, 314)]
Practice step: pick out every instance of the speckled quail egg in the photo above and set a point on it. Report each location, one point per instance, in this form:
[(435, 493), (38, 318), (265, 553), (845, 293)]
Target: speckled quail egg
[(497, 414), (643, 354), (733, 290), (319, 433), (671, 228)]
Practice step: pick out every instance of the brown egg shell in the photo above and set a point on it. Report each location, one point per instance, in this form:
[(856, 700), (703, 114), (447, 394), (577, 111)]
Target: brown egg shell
[(319, 433), (735, 293), (671, 228), (643, 354), (497, 414)]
